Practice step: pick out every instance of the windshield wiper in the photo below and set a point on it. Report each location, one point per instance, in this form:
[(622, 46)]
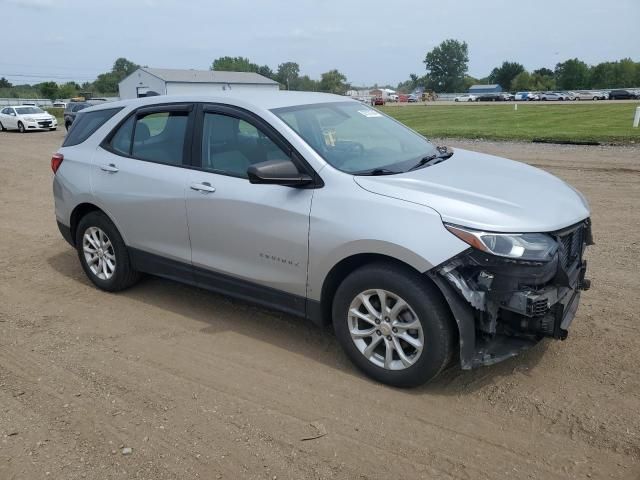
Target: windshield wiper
[(433, 159), (376, 172)]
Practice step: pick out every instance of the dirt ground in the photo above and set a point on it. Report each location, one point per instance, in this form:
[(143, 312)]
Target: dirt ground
[(200, 386)]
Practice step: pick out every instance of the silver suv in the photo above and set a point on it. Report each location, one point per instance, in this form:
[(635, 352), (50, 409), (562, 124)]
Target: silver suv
[(327, 209)]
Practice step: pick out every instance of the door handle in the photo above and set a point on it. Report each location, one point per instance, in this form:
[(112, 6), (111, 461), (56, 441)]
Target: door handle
[(111, 168), (204, 187)]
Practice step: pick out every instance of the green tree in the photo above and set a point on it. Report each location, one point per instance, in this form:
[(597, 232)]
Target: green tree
[(469, 81), (542, 82), (333, 82), (287, 74), (521, 82), (48, 90), (603, 75), (410, 85), (68, 90), (266, 71), (4, 83), (572, 75), (543, 72), (626, 73), (106, 83), (447, 64), (307, 84), (123, 67), (234, 64), (504, 74)]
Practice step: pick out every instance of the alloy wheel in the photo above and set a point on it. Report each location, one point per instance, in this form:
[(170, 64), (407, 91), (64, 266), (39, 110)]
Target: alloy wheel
[(385, 329), (99, 253)]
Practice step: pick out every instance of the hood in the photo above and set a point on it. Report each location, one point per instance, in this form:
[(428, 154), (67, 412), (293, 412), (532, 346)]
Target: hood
[(486, 193), (38, 116)]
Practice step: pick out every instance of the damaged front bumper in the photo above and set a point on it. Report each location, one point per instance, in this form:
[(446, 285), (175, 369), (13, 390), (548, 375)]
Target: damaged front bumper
[(504, 306)]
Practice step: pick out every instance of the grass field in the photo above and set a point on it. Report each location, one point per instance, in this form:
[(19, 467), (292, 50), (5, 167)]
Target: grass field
[(56, 112), (599, 122)]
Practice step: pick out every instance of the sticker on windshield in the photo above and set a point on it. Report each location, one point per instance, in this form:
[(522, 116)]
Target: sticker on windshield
[(369, 113)]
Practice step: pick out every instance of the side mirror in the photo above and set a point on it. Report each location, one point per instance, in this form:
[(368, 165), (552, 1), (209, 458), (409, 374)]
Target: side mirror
[(278, 172)]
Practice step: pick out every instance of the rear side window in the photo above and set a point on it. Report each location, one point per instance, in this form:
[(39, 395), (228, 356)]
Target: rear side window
[(156, 137), (159, 137), (86, 123), (121, 141)]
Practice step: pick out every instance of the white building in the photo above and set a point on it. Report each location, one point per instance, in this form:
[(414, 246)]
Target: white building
[(164, 81)]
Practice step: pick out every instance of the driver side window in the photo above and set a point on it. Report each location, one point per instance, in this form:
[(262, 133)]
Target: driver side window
[(231, 145)]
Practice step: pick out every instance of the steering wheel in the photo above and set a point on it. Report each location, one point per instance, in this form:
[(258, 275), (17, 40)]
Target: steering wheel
[(356, 149)]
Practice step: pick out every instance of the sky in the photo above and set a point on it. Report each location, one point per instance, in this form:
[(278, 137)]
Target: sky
[(370, 41)]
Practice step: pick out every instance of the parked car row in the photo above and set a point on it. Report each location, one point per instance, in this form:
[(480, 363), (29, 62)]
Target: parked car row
[(550, 96)]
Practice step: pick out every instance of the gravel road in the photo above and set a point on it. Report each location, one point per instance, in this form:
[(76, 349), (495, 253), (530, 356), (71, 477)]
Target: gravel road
[(166, 381)]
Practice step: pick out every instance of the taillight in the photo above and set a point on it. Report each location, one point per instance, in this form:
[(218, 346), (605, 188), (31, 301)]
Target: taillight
[(56, 161)]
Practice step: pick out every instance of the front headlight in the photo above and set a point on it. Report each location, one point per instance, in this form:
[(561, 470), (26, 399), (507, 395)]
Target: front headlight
[(537, 247), (29, 119)]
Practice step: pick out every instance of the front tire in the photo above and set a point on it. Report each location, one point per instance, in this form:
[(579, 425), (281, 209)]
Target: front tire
[(2, 129), (393, 324), (103, 254), (21, 128)]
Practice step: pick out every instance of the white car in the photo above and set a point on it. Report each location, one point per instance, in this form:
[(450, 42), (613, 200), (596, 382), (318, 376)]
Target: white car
[(24, 118), (557, 96), (466, 98), (590, 95)]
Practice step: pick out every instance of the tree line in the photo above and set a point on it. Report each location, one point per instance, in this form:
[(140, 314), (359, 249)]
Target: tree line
[(447, 66), (106, 84), (287, 74)]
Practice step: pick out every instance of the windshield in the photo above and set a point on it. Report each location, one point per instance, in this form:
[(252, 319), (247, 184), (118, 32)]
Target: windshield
[(355, 138), (28, 110)]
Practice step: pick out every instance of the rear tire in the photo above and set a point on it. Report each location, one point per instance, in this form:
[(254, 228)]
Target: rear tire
[(21, 128), (103, 254), (2, 129), (386, 330)]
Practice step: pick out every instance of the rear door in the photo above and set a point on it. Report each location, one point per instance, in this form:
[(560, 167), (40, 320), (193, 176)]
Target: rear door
[(248, 237), (139, 178)]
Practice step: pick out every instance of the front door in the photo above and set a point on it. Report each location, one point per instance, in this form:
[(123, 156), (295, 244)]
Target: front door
[(251, 238), (9, 119)]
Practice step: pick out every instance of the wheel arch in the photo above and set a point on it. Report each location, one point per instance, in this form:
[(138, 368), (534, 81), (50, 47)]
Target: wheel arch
[(321, 314), (83, 209)]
